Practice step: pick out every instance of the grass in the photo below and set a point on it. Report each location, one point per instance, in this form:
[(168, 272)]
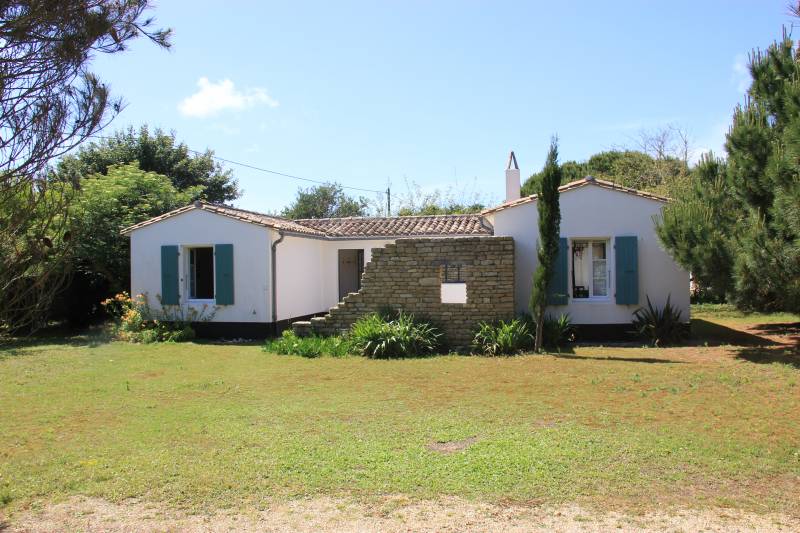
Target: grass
[(207, 426)]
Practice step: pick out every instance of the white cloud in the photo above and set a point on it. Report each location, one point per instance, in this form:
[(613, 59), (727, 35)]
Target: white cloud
[(741, 73), (212, 98)]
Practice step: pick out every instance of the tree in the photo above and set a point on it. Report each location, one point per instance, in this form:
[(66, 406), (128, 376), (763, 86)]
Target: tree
[(741, 232), (100, 263), (451, 201), (158, 152), (629, 168), (325, 201), (763, 146), (549, 229), (697, 225), (49, 103)]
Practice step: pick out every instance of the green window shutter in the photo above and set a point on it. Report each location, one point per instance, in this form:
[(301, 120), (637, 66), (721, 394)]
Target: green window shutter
[(223, 272), (169, 275), (626, 250), (557, 289)]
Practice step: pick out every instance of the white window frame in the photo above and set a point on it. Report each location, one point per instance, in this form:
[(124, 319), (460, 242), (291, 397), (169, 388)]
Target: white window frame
[(610, 266), (187, 265)]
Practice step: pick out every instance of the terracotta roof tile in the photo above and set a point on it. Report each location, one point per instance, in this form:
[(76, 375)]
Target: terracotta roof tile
[(252, 217), (588, 180), (351, 227), (413, 226)]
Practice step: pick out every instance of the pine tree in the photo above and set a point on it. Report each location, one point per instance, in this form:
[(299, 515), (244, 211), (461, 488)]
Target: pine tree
[(696, 228), (738, 227), (549, 229), (764, 172)]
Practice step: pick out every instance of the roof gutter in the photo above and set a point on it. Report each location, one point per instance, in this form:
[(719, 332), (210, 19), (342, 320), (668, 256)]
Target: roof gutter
[(275, 276)]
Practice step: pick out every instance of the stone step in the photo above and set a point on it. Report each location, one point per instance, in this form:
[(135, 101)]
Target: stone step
[(302, 328)]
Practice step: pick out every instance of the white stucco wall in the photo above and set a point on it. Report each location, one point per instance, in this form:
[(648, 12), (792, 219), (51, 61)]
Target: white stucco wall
[(596, 212), (201, 228), (308, 272)]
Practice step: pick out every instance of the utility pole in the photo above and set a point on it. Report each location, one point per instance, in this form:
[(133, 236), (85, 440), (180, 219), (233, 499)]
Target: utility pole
[(388, 201)]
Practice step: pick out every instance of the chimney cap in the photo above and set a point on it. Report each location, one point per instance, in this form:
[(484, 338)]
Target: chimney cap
[(512, 161)]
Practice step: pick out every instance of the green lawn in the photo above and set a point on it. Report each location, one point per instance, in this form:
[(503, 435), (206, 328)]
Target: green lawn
[(207, 426)]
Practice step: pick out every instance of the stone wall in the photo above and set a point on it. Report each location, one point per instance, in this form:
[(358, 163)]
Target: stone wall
[(408, 276)]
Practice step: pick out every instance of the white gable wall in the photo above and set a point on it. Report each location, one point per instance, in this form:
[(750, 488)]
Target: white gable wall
[(592, 211), (201, 228), (308, 272)]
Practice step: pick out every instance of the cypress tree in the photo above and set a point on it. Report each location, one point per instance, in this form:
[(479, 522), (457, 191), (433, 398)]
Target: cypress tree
[(549, 228)]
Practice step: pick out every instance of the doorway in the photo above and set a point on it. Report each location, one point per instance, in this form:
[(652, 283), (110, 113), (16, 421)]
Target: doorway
[(351, 266)]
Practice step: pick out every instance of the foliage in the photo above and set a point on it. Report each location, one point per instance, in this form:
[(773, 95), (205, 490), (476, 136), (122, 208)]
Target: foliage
[(558, 331), (49, 103), (696, 228), (503, 338), (312, 346), (629, 168), (381, 338), (450, 201), (325, 201), (156, 152), (660, 327), (106, 205), (549, 224), (136, 321), (743, 234), (34, 247)]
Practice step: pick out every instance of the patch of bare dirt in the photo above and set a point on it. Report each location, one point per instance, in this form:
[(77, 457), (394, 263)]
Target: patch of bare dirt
[(451, 446), (390, 514)]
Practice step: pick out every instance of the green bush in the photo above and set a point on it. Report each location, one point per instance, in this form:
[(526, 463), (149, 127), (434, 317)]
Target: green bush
[(312, 346), (660, 326), (385, 338), (558, 331), (136, 321), (503, 338)]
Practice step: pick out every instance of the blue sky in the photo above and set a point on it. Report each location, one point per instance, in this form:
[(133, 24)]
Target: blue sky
[(434, 92)]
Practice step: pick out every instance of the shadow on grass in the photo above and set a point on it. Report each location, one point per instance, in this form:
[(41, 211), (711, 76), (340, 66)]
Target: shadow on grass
[(91, 337), (714, 334), (654, 360), (787, 355)]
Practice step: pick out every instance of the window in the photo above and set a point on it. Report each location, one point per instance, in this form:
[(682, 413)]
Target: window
[(454, 288), (453, 273), (590, 273), (201, 273)]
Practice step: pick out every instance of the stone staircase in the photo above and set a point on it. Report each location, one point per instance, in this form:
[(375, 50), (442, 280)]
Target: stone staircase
[(338, 319), (407, 275)]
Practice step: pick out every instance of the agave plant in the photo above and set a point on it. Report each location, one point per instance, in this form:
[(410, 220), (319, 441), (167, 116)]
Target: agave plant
[(558, 331), (660, 326)]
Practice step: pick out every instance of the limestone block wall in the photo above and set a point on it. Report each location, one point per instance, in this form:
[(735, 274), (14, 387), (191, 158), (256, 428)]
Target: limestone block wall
[(408, 276)]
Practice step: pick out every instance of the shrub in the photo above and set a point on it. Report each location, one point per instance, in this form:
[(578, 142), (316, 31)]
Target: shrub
[(136, 321), (403, 336), (558, 332), (313, 346), (503, 338), (659, 326)]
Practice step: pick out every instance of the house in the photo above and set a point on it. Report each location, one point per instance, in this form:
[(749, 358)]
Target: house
[(260, 272)]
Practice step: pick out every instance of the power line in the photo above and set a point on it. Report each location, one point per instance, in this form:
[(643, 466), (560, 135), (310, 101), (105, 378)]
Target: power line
[(260, 169)]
